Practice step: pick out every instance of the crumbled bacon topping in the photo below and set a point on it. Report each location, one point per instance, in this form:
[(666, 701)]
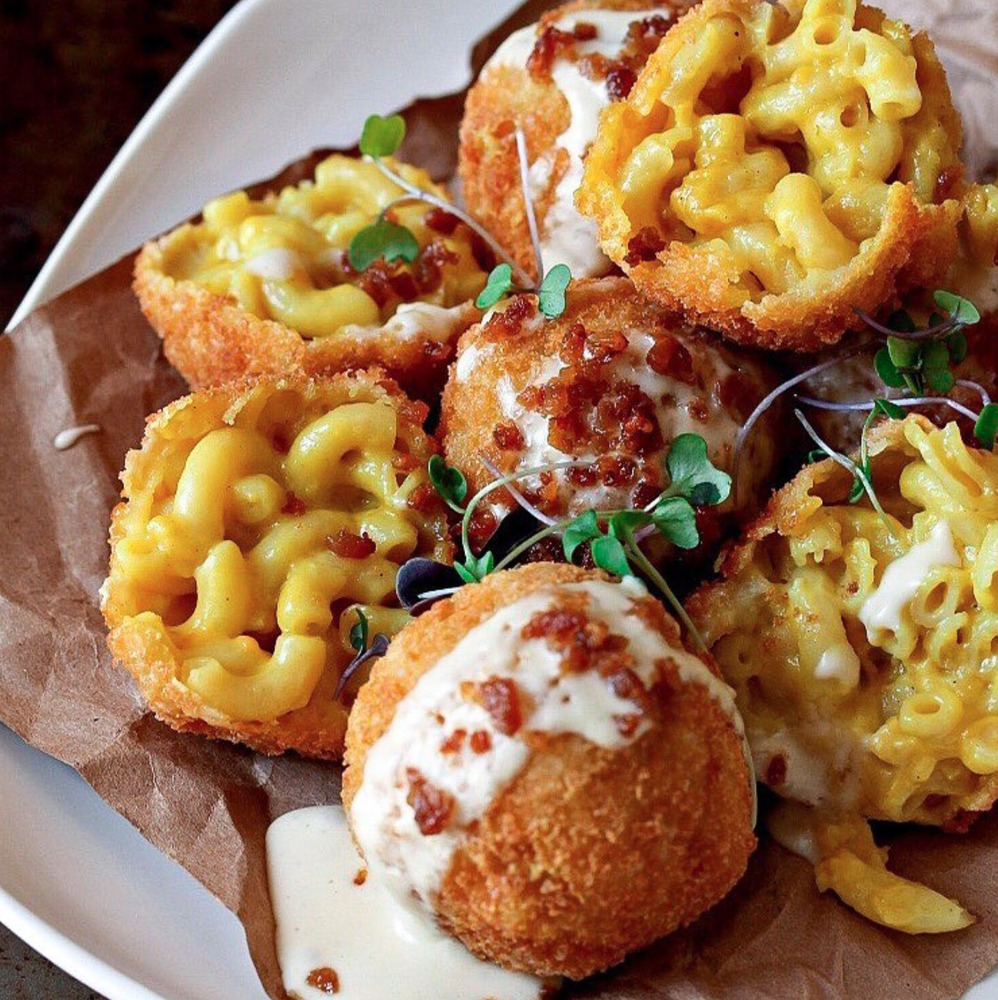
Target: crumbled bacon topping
[(552, 44), (350, 546), (433, 806), (644, 245), (423, 498), (500, 697), (440, 221), (454, 742), (293, 505), (509, 437), (361, 877), (481, 742), (325, 980), (776, 771), (510, 320), (669, 357)]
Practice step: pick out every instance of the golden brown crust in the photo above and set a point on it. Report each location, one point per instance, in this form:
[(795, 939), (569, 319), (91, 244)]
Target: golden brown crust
[(642, 839), (210, 339), (488, 163), (140, 645), (913, 247)]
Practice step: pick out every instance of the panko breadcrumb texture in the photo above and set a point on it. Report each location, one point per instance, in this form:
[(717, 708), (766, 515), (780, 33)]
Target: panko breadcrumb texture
[(219, 569), (265, 286), (844, 736), (611, 383), (777, 165), (517, 89), (590, 853)]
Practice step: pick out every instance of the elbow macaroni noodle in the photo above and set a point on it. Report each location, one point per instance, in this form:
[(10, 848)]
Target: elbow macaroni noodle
[(226, 547), (283, 256)]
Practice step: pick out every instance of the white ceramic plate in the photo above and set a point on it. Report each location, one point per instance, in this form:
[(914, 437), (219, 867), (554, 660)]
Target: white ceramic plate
[(275, 79)]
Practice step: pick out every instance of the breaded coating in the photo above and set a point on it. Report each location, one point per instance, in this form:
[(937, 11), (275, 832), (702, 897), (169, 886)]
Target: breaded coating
[(774, 168), (611, 383), (265, 286), (863, 678), (518, 88), (590, 852), (257, 519)]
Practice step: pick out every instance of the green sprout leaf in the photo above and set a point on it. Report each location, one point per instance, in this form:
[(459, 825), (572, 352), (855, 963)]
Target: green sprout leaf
[(609, 554), (382, 239), (499, 285), (551, 294), (956, 344), (358, 632), (858, 490), (888, 409), (691, 474), (887, 370), (475, 568), (585, 528), (448, 482), (935, 367), (960, 310), (382, 136), (815, 455), (986, 428), (677, 521), (624, 523)]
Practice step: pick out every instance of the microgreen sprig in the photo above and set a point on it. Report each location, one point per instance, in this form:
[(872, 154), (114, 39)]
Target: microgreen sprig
[(358, 640), (612, 535)]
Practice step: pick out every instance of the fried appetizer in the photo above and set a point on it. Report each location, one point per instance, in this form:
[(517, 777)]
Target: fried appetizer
[(862, 649), (260, 286), (550, 686), (258, 519), (777, 165), (551, 79), (610, 383)]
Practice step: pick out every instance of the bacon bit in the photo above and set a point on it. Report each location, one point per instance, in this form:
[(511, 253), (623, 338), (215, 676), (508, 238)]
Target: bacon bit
[(440, 221), (738, 395), (433, 806), (670, 358), (481, 527), (279, 441), (584, 476), (776, 771), (594, 66), (560, 624), (626, 724), (504, 129), (481, 742), (620, 80), (584, 31), (325, 980), (645, 492), (500, 697), (361, 877), (423, 498), (961, 822), (293, 505), (509, 437), (404, 286), (551, 45), (697, 408), (644, 245), (946, 182), (626, 684), (616, 470), (350, 546), (427, 268), (454, 742), (580, 346), (509, 322)]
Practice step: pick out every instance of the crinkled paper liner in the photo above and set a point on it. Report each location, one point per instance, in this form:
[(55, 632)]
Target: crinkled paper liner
[(89, 356)]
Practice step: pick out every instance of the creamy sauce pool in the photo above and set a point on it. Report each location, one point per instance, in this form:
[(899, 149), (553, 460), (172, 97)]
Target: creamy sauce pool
[(414, 864), (567, 237), (332, 922)]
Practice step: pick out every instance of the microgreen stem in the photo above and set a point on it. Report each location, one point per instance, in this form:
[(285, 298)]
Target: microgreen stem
[(516, 494), (418, 194), (771, 398), (905, 401), (975, 387), (528, 201), (644, 564), (938, 330), (846, 463)]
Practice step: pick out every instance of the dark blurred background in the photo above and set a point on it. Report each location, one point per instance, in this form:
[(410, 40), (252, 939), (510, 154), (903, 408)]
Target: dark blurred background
[(75, 78)]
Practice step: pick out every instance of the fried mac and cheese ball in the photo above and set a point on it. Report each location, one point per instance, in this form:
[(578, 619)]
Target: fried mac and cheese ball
[(265, 285), (540, 764), (258, 518), (864, 652), (551, 79), (610, 383), (777, 165)]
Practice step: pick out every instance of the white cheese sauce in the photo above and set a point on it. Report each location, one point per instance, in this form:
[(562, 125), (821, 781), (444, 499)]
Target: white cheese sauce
[(568, 237), (881, 611), (414, 865), (67, 437), (275, 264), (376, 948), (414, 320), (839, 663)]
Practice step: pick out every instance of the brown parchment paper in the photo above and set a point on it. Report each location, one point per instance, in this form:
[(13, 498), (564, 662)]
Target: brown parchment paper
[(89, 356)]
